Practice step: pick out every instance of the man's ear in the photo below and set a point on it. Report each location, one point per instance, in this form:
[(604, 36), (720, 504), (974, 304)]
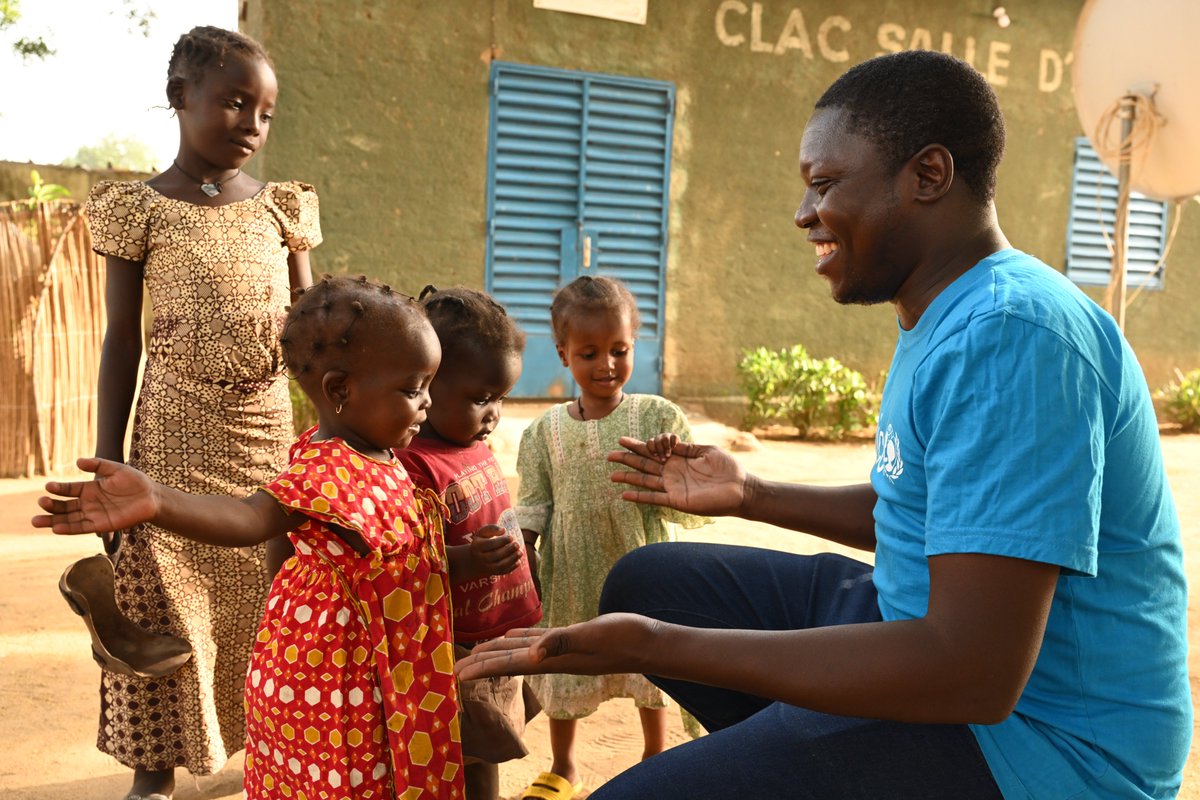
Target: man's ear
[(335, 385), (933, 172), (175, 92)]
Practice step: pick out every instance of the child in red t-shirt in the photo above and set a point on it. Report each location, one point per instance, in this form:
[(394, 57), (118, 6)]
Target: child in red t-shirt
[(481, 361)]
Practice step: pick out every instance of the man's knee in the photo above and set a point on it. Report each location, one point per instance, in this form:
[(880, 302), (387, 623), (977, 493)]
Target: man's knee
[(629, 580)]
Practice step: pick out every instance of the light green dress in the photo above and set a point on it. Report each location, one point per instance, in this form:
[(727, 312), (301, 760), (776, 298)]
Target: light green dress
[(584, 525)]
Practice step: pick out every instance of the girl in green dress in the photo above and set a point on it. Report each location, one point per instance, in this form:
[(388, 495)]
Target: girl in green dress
[(568, 506)]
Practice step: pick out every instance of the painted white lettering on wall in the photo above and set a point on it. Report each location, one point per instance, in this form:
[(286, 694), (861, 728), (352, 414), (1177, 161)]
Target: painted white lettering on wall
[(1051, 68), (794, 35), (997, 63), (723, 35), (749, 25), (756, 41), (827, 50), (731, 20)]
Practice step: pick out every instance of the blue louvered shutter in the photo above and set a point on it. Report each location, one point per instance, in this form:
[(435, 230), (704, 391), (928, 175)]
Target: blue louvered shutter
[(578, 181), (1093, 215)]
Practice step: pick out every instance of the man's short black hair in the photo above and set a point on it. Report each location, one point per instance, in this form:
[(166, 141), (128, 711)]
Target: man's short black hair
[(905, 101)]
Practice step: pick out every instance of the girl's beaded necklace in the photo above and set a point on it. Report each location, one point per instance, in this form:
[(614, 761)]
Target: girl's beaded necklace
[(579, 402), (212, 188)]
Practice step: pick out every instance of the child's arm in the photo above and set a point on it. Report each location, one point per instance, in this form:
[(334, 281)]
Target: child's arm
[(121, 496), (279, 549), (117, 381), (531, 555), (491, 552), (299, 273), (535, 497)]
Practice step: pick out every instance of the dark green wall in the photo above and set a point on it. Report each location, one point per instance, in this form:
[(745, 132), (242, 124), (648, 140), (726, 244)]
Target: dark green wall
[(384, 106)]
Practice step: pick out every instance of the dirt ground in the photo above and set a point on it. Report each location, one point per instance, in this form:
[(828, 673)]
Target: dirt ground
[(48, 683)]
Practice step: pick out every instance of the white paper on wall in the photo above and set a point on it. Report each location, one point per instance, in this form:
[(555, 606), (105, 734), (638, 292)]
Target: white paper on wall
[(620, 10)]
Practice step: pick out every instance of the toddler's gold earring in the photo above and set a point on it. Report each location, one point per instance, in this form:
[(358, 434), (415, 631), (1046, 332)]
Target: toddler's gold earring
[(337, 409)]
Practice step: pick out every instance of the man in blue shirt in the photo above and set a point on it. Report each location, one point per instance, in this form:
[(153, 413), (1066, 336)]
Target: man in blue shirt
[(1022, 632)]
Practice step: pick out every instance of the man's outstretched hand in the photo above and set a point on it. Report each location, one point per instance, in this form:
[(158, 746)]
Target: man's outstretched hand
[(608, 644), (696, 478), (118, 498)]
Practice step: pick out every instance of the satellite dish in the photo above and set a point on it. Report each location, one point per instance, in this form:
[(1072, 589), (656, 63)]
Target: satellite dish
[(1136, 77), (1144, 48)]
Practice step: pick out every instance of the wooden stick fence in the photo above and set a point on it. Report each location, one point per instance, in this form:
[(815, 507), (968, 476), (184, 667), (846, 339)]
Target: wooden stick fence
[(51, 330)]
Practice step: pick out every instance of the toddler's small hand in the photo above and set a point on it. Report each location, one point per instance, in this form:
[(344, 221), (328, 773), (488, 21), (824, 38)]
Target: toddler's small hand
[(119, 497), (494, 551), (662, 446)]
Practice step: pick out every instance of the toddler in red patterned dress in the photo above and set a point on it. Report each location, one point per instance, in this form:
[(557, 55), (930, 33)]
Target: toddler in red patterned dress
[(481, 361), (350, 691)]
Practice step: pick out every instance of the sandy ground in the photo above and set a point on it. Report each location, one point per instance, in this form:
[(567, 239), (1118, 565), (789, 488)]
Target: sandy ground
[(49, 685)]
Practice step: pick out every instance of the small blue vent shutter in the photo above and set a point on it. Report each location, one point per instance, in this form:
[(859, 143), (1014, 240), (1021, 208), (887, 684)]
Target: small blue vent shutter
[(1093, 214), (578, 182)]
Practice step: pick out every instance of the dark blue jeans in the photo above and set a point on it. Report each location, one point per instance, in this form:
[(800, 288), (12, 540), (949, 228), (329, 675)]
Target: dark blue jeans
[(761, 748)]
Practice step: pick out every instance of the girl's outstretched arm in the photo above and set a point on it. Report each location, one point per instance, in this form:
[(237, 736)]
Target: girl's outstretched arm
[(121, 496), (120, 355)]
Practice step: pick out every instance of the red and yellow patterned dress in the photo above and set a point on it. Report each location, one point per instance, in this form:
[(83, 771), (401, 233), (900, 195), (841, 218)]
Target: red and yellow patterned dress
[(350, 691)]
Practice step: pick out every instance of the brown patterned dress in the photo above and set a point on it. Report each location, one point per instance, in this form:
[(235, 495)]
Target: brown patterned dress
[(213, 417)]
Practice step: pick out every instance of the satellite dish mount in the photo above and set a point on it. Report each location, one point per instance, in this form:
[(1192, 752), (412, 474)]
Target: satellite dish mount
[(1136, 71)]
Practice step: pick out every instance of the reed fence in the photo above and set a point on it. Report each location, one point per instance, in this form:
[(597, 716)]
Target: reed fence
[(52, 311)]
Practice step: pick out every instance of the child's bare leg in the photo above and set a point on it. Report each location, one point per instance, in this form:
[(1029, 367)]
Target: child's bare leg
[(153, 781), (482, 781), (654, 731), (562, 747)]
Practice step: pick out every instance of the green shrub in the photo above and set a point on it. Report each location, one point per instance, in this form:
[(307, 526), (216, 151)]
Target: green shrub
[(1182, 399), (304, 416), (41, 192), (812, 394)]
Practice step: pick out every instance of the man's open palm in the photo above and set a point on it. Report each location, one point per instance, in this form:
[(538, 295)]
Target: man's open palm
[(699, 479)]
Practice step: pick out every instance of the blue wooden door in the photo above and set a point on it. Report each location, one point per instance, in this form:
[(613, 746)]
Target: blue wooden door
[(578, 182)]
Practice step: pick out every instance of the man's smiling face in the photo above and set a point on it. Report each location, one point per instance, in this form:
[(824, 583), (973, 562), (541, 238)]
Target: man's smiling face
[(852, 212)]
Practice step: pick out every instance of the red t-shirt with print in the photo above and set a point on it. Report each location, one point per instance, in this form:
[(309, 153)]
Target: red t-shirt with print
[(471, 484)]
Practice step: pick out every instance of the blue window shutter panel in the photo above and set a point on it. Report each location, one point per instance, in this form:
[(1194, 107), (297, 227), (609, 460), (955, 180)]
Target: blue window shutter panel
[(1093, 217), (578, 183)]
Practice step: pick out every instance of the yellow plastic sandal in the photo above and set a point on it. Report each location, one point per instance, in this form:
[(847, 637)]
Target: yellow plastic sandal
[(549, 786)]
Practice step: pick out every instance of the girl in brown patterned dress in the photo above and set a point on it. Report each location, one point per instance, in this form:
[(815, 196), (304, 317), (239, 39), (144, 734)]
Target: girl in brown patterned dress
[(217, 251)]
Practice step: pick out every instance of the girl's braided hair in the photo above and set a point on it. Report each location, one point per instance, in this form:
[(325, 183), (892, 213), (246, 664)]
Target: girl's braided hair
[(465, 317), (335, 314), (203, 47), (587, 294)]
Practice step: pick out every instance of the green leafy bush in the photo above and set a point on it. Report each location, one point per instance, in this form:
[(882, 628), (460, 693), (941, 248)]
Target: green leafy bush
[(304, 416), (1182, 400), (41, 192), (791, 387)]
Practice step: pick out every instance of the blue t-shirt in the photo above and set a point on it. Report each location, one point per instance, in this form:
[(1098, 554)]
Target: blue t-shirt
[(1017, 422)]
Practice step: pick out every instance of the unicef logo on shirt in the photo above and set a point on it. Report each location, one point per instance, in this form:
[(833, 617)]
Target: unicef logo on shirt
[(887, 454)]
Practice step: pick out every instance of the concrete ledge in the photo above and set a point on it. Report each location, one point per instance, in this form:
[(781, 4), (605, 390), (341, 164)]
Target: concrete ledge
[(726, 409)]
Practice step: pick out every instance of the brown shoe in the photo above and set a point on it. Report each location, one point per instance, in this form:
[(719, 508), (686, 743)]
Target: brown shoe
[(118, 645)]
